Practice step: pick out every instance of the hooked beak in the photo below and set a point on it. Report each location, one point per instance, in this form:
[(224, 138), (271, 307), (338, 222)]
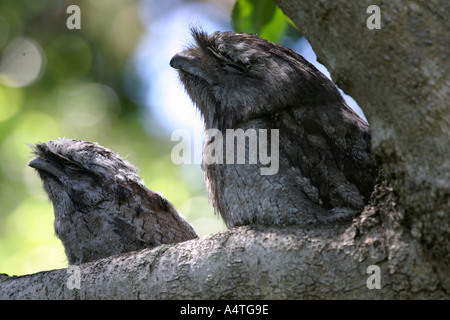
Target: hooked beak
[(183, 61)]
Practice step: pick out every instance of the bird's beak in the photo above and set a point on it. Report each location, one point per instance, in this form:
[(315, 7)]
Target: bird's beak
[(185, 62), (43, 165)]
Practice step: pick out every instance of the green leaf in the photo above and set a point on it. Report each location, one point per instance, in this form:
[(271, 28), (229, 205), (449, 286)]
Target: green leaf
[(262, 17)]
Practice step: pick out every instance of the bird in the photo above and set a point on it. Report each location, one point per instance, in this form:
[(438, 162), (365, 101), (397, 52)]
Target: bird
[(101, 205), (240, 81)]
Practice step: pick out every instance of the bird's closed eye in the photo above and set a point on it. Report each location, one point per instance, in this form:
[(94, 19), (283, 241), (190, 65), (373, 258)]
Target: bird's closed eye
[(234, 68), (227, 63), (73, 167)]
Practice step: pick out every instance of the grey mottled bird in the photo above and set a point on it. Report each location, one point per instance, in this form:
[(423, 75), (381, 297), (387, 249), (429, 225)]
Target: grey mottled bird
[(101, 205), (325, 168)]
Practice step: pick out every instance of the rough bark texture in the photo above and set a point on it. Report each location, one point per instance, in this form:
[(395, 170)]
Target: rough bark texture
[(398, 75), (329, 262)]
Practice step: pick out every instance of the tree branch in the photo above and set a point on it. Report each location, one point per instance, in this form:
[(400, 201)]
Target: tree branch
[(326, 262), (399, 76)]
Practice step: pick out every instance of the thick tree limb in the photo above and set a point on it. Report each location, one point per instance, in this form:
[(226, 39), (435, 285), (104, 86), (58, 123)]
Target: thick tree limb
[(242, 264), (399, 76), (329, 262)]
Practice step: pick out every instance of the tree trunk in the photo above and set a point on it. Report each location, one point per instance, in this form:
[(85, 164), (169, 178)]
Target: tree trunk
[(397, 248), (398, 74)]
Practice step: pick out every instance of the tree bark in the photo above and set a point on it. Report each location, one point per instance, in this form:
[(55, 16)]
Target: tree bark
[(398, 75), (325, 262)]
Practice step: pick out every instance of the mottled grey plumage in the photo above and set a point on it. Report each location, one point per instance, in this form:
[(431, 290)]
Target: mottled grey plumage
[(101, 205), (325, 167)]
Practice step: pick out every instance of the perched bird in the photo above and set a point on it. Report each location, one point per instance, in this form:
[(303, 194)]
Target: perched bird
[(101, 205), (240, 81)]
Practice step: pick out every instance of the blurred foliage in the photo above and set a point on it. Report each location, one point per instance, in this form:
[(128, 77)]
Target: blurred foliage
[(83, 84), (264, 18), (56, 82)]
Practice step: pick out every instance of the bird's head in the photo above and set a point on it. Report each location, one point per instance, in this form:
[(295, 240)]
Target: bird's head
[(80, 175), (234, 77)]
